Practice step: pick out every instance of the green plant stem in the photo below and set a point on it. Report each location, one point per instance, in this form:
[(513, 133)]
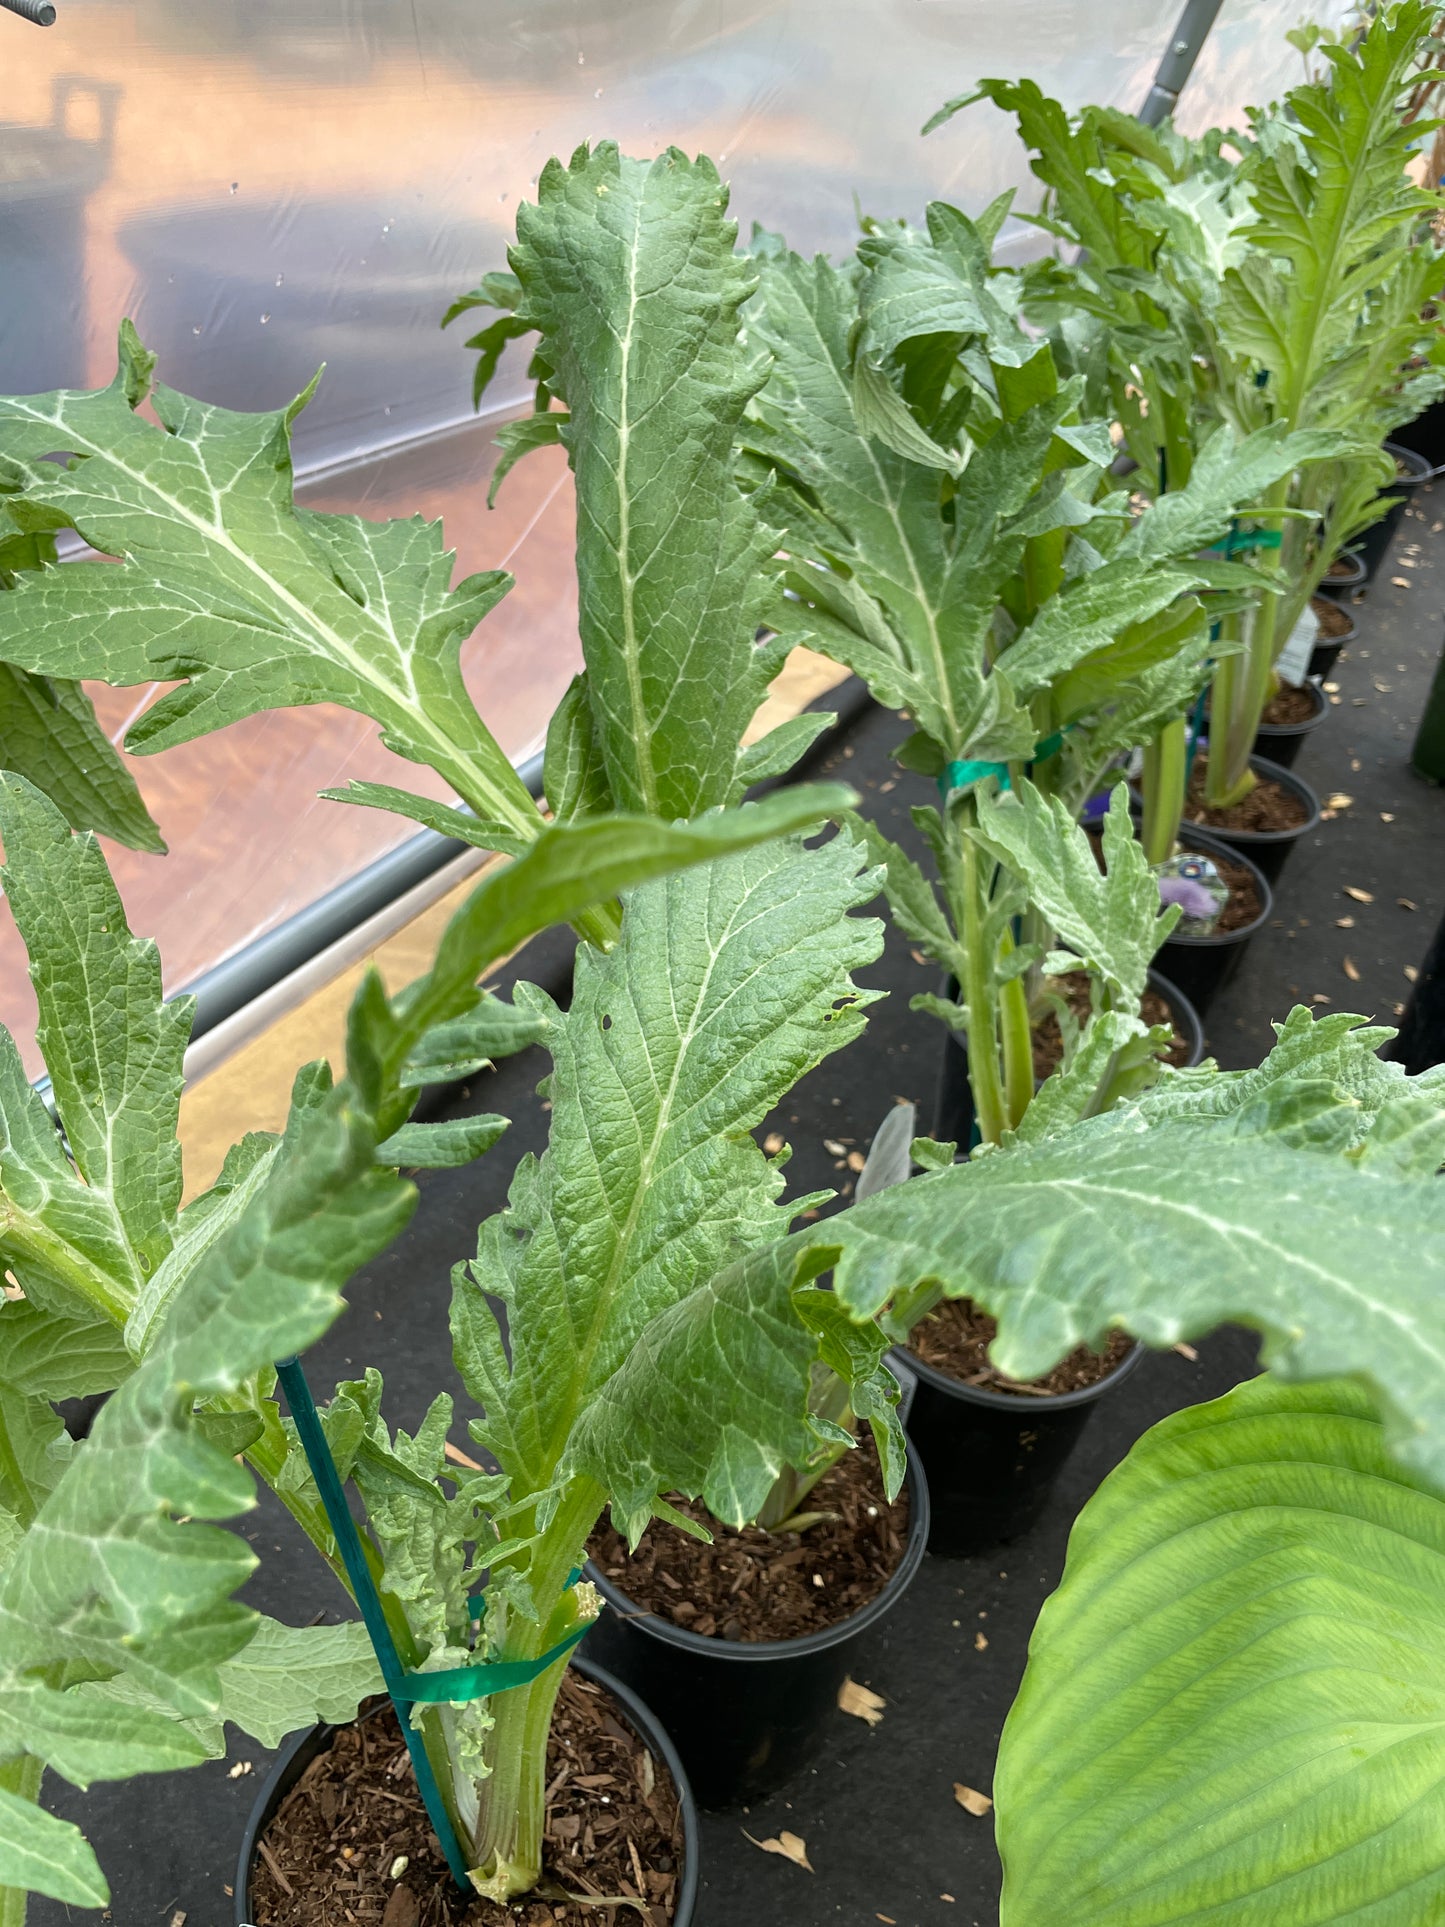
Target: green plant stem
[(508, 1845), (1242, 683), (1165, 760), (21, 1777), (1018, 1043), (978, 988)]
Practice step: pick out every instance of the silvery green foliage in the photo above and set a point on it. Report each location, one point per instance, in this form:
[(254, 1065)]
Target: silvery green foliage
[(727, 985), (1299, 1199)]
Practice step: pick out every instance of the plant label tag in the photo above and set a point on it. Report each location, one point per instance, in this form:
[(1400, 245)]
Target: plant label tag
[(1292, 664)]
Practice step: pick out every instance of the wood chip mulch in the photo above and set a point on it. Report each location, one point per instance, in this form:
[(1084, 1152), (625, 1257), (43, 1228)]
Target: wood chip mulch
[(1269, 806)]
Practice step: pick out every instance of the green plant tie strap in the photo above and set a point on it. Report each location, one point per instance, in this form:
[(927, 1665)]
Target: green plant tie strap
[(406, 1688), (962, 775)]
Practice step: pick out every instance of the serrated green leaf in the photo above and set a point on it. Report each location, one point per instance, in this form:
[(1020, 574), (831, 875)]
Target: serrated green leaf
[(450, 1051), (518, 438), (727, 984), (114, 1048), (628, 271), (461, 825), (48, 734), (1167, 1226), (775, 754), (1232, 1707), (1110, 918), (290, 1676), (52, 1355), (439, 1147), (43, 1855), (574, 777), (256, 603)]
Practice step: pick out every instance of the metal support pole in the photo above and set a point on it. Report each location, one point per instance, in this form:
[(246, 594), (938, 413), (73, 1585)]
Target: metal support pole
[(1179, 58)]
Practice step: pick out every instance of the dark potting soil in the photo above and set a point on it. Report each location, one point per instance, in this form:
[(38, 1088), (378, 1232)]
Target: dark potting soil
[(1048, 1039), (1269, 805), (755, 1585), (955, 1339), (1333, 620), (1289, 705), (613, 1827), (1341, 569)]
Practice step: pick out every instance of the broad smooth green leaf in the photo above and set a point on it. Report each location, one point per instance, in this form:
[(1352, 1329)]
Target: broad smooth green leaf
[(1111, 918), (451, 1051), (42, 1855), (1234, 1708), (50, 1355), (628, 271), (225, 582), (113, 1047), (727, 984), (49, 734), (1167, 1226)]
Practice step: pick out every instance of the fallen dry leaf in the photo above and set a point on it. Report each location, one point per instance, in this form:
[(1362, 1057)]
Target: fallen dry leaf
[(861, 1701), (972, 1801), (887, 1919), (1405, 903), (1412, 973), (1355, 764), (855, 1160), (1320, 998), (980, 1644), (1360, 896), (1351, 969), (403, 1909), (834, 1148), (773, 1143), (1331, 688), (1186, 1351), (1344, 923), (1338, 800), (459, 1457), (178, 1918), (1387, 816), (1399, 581), (945, 1896), (788, 1845)]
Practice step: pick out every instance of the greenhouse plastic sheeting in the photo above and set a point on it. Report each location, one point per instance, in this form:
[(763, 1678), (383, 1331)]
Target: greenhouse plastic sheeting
[(269, 184)]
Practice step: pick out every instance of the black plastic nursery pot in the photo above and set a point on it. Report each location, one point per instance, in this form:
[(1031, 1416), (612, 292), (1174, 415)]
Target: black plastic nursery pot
[(1282, 742), (1346, 574), (1201, 966), (1326, 652), (1268, 850), (1425, 435), (1374, 543), (953, 1114), (302, 1748), (746, 1716), (992, 1458)]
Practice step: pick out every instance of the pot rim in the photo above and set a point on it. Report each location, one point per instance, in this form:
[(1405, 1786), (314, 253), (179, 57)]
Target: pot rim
[(1421, 470), (1322, 709), (1341, 582), (1010, 1401), (1328, 642), (644, 1722), (1213, 843), (760, 1651), (1287, 779), (1179, 1007)]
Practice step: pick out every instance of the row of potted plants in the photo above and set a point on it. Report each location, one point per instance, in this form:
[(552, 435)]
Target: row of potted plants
[(685, 1380)]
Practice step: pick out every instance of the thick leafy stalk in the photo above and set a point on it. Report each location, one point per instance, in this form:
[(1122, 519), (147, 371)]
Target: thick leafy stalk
[(1242, 684), (1018, 1046), (979, 996), (1165, 762), (508, 1846)]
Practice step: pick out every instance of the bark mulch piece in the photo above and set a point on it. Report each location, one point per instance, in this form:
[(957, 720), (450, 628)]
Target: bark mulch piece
[(1290, 705), (955, 1339), (755, 1585), (1333, 620), (613, 1827), (1074, 986), (1269, 805)]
